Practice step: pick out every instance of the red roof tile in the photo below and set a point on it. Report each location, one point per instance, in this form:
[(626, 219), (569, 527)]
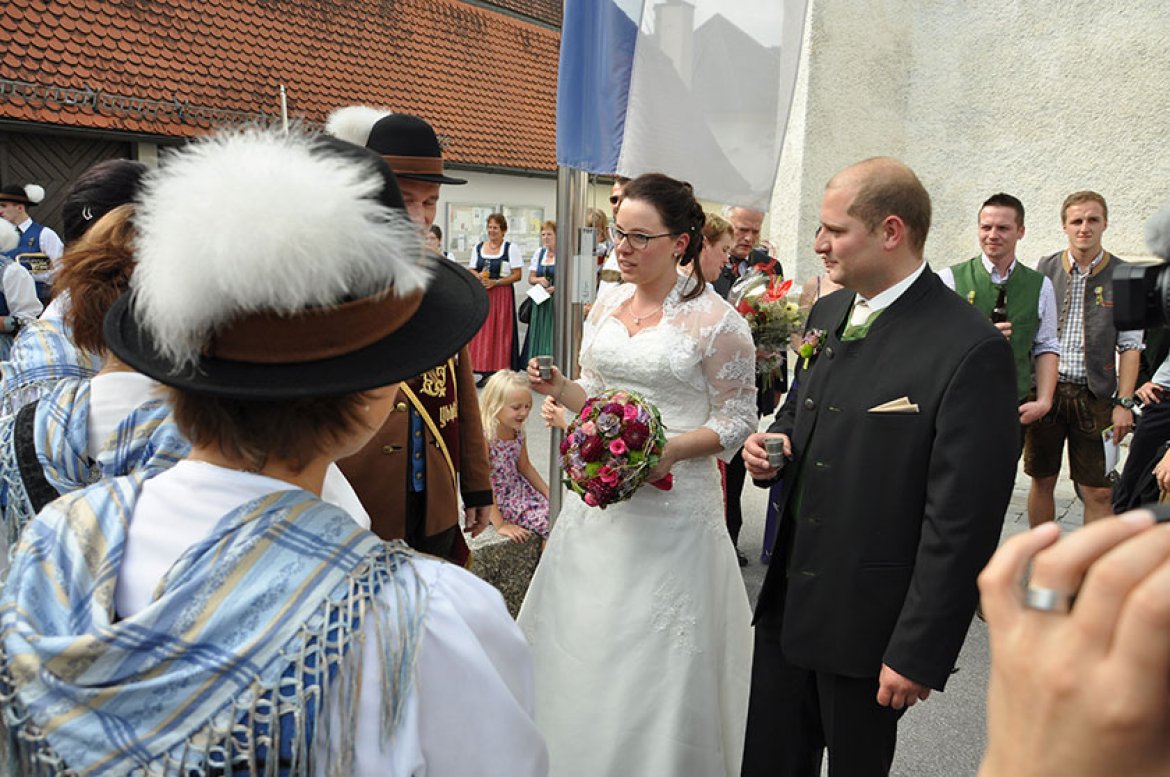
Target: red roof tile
[(547, 11), (485, 79)]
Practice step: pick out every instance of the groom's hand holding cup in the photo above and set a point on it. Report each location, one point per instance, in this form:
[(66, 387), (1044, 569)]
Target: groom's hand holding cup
[(766, 454)]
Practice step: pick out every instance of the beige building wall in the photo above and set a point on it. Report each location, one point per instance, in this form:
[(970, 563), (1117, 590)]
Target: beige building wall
[(1034, 98)]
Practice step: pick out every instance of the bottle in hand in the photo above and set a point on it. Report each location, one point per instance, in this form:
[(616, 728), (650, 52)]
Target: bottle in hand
[(999, 312)]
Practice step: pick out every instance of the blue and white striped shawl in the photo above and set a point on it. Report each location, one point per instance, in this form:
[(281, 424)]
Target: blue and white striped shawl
[(42, 355), (280, 587), (146, 441)]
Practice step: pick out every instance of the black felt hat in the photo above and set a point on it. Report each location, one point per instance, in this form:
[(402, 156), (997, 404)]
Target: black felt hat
[(407, 142), (311, 281), (29, 194)]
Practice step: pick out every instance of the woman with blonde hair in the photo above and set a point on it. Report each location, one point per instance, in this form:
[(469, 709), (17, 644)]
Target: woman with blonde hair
[(718, 236)]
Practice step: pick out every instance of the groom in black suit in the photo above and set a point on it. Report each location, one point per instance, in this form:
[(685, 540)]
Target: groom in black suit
[(903, 439)]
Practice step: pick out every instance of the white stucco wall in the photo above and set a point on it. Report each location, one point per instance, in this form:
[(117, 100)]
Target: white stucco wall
[(498, 189), (1037, 99)]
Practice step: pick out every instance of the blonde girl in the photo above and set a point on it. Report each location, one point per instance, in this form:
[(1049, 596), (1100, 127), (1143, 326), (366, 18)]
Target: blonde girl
[(521, 494)]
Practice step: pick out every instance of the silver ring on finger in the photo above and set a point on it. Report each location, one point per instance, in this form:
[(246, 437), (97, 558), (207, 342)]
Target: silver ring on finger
[(1048, 600)]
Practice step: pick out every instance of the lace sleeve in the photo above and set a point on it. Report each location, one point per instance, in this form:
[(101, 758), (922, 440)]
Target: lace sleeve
[(729, 365), (607, 302)]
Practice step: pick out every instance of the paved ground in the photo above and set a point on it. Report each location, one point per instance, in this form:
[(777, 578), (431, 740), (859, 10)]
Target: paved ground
[(943, 737)]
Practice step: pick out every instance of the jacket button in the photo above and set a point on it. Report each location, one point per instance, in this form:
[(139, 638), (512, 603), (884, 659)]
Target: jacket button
[(400, 407), (389, 449), (809, 404), (829, 352)]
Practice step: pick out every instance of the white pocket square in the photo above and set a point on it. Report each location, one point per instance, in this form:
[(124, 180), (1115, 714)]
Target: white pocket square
[(899, 405)]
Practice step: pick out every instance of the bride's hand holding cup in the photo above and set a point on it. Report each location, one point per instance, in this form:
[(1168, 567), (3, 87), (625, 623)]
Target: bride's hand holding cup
[(544, 376)]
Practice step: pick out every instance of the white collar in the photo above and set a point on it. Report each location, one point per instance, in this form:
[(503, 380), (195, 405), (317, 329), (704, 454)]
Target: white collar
[(884, 299), (994, 273)]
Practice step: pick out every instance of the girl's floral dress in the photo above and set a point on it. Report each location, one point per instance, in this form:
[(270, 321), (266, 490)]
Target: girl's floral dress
[(519, 502)]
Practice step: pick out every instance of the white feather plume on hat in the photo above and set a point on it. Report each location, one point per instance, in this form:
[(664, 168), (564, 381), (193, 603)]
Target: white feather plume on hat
[(9, 236), (353, 123), (252, 220), (34, 193)]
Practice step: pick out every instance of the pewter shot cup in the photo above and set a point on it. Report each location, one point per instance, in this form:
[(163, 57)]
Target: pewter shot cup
[(544, 364), (775, 448)]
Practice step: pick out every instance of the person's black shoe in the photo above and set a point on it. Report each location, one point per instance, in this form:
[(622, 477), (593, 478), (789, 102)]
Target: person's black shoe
[(743, 562)]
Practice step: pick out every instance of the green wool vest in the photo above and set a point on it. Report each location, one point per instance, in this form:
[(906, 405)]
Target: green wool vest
[(1023, 308)]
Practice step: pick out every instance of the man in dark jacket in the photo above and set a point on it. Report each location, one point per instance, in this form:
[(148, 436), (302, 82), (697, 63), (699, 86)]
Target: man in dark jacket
[(903, 435)]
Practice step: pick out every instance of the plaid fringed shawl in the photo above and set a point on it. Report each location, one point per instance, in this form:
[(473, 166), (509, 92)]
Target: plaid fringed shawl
[(242, 623), (146, 441), (42, 355)]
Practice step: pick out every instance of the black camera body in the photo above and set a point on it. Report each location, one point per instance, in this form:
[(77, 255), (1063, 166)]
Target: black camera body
[(1141, 296), (1141, 292)]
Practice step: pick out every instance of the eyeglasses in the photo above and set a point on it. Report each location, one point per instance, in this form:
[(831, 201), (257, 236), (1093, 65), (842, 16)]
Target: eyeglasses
[(636, 240), (614, 199)]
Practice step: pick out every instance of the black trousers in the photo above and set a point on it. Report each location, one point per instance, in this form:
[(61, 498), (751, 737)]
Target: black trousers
[(735, 474), (416, 523), (1152, 430), (795, 713)]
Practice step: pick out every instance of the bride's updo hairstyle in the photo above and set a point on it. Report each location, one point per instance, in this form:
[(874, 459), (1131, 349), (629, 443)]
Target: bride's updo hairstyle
[(680, 212)]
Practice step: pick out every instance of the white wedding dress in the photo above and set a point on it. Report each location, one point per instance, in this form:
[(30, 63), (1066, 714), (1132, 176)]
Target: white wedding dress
[(637, 615)]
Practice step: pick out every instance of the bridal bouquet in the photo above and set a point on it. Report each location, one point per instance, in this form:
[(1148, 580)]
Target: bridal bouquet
[(610, 448), (762, 300)]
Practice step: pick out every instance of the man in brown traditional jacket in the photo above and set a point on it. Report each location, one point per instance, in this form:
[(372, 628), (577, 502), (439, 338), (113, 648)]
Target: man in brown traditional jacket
[(431, 450)]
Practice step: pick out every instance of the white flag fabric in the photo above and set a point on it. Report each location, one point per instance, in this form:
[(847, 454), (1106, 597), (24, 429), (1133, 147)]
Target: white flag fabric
[(696, 89)]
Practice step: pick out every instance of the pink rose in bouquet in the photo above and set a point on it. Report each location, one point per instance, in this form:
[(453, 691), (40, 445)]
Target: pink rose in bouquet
[(609, 450)]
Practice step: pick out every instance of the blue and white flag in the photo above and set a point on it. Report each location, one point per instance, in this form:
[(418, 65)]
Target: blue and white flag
[(696, 89)]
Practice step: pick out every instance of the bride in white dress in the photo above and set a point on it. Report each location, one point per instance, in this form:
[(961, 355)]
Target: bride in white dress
[(637, 615)]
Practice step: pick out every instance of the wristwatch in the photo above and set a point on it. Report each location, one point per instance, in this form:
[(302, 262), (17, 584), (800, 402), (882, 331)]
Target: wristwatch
[(1126, 402)]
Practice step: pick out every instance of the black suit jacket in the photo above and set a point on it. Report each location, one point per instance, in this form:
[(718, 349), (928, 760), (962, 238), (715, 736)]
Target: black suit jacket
[(898, 512)]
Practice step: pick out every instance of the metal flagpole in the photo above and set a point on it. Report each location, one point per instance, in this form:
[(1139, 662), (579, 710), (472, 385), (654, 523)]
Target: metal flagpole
[(575, 286)]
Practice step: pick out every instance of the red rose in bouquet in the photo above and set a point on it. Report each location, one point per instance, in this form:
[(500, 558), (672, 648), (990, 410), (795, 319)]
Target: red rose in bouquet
[(610, 448)]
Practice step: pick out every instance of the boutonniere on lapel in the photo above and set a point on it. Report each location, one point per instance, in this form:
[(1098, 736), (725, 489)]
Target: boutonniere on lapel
[(810, 344), (971, 297)]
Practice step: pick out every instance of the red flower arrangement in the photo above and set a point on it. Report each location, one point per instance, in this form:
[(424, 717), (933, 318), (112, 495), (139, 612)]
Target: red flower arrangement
[(610, 448), (761, 299)]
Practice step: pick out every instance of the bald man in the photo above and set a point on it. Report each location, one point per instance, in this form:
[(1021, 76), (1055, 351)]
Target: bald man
[(903, 438)]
